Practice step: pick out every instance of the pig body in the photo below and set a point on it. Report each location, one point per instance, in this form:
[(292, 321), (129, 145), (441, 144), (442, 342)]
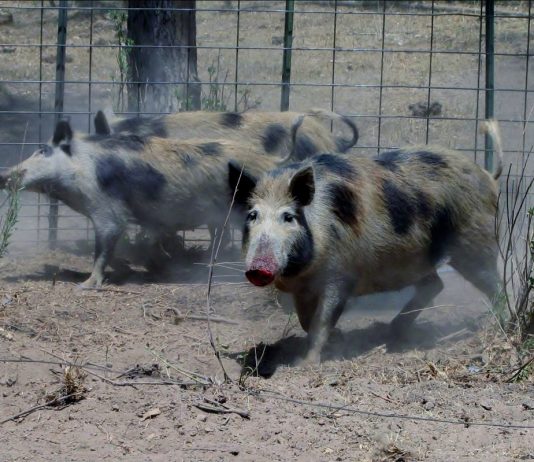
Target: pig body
[(269, 132), (336, 226), (162, 185)]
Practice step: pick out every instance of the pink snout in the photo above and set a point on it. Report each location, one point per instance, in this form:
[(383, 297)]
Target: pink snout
[(260, 277), (262, 271)]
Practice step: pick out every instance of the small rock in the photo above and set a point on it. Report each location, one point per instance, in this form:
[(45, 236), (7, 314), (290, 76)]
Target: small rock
[(151, 413), (115, 408), (5, 334), (333, 381), (8, 381), (429, 405), (208, 429), (5, 18), (202, 418), (528, 405)]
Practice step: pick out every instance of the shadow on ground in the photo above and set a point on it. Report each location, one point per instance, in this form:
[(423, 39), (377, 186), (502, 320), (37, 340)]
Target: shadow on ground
[(263, 359), (190, 266)]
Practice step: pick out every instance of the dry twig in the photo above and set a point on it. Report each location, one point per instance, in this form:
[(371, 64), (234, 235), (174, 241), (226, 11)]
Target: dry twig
[(53, 402), (199, 317), (199, 379), (219, 408), (213, 259)]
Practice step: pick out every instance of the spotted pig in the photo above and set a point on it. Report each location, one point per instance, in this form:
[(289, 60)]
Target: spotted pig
[(161, 184), (335, 226), (269, 132)]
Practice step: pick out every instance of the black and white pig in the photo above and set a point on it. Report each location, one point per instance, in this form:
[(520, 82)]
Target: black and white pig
[(161, 184), (335, 226), (267, 131)]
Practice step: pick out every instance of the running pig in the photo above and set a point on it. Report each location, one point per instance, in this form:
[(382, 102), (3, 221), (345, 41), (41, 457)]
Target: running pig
[(161, 184), (335, 226), (269, 132)]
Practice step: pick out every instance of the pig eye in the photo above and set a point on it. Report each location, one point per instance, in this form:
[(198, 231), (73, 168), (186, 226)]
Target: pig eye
[(45, 150), (288, 217), (252, 215)]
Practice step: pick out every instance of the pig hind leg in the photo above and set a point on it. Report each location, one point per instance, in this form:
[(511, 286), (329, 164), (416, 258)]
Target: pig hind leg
[(106, 236), (425, 291), (479, 267)]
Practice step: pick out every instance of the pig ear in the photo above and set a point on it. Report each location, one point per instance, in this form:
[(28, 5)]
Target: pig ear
[(101, 124), (302, 186), (62, 133), (239, 179)]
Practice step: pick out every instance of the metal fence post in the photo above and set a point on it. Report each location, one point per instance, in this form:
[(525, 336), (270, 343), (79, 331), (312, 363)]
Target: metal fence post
[(288, 44), (490, 82), (58, 107)]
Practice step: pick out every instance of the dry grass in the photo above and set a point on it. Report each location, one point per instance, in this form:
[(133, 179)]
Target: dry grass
[(72, 388)]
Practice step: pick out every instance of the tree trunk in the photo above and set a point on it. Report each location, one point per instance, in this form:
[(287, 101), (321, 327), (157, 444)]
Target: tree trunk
[(163, 60)]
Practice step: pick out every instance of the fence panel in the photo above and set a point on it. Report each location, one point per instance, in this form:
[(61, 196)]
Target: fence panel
[(406, 72)]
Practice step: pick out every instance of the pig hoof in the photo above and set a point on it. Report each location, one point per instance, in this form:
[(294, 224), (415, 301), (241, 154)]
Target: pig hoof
[(313, 358), (91, 283)]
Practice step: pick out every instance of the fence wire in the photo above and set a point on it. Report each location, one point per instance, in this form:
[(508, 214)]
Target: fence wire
[(406, 72)]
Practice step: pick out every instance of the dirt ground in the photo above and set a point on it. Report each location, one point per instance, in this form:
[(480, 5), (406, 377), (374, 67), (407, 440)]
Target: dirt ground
[(152, 379), (153, 388)]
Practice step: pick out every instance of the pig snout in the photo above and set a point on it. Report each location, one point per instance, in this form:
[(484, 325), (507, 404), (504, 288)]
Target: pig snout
[(261, 273), (263, 268)]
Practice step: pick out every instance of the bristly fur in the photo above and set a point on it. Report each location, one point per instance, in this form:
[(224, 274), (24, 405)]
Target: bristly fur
[(268, 131), (161, 184), (373, 225)]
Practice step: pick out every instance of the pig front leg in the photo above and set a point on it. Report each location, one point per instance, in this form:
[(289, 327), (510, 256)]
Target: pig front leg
[(106, 235), (329, 309)]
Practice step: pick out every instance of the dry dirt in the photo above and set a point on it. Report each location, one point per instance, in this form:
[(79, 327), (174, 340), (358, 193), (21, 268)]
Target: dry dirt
[(443, 395)]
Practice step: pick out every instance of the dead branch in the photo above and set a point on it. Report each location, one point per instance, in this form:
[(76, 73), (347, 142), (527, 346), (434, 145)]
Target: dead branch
[(458, 333), (199, 317), (27, 412), (233, 451), (346, 408), (109, 289), (84, 366), (199, 379), (213, 259), (520, 370), (133, 384), (219, 408)]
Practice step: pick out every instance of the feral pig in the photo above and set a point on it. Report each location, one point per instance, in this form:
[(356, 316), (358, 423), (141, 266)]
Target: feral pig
[(335, 226), (162, 185), (267, 131)]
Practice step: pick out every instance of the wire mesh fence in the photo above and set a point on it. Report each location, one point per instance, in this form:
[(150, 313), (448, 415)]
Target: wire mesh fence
[(406, 72)]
